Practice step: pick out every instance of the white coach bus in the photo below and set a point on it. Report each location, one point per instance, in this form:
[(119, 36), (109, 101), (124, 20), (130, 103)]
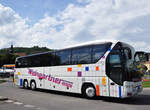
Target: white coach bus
[(92, 69)]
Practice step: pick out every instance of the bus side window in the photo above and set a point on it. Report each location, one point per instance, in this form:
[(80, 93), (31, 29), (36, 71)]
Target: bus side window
[(63, 57), (23, 62), (18, 64), (47, 59), (81, 55), (98, 51), (41, 60)]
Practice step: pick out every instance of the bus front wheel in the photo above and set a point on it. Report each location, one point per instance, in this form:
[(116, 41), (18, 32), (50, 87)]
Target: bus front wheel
[(89, 91)]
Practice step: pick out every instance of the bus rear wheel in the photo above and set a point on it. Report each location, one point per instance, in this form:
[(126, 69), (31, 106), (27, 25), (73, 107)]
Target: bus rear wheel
[(25, 84), (89, 92), (33, 85)]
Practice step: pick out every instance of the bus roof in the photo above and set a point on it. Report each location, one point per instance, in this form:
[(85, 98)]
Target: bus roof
[(92, 43)]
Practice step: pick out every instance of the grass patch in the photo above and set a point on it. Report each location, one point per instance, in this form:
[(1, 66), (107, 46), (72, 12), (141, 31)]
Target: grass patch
[(146, 75), (146, 84), (2, 81)]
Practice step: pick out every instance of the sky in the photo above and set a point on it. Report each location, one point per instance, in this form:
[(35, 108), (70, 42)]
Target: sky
[(61, 23)]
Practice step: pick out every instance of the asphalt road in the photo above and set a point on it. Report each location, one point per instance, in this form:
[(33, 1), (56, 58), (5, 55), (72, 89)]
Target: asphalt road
[(22, 99)]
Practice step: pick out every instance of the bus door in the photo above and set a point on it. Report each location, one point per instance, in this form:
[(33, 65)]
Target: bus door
[(115, 74)]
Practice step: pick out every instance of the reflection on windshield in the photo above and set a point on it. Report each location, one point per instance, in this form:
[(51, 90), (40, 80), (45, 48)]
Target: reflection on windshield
[(136, 70), (114, 59)]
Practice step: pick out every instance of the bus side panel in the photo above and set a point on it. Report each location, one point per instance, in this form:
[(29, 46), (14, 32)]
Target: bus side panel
[(19, 76), (60, 79), (76, 75), (35, 75), (71, 84), (115, 89), (100, 83), (68, 80), (67, 84), (22, 74)]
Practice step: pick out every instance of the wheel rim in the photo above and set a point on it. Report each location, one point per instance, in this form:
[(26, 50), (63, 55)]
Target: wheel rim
[(26, 84), (90, 92), (32, 85)]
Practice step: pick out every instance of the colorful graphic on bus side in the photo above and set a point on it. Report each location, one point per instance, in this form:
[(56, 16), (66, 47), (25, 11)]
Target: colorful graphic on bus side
[(68, 84)]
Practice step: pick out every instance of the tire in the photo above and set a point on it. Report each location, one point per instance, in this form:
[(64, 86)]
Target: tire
[(33, 85), (89, 92), (25, 84)]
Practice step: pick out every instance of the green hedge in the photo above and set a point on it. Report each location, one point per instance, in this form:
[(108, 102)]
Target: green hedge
[(146, 84)]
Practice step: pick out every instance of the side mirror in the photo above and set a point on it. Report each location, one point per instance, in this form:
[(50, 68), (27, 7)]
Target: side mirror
[(142, 56), (147, 57)]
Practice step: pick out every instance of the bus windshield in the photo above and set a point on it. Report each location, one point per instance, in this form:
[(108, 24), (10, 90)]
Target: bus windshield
[(121, 65), (134, 68)]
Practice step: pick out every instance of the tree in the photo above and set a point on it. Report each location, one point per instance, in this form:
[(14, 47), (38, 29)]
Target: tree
[(7, 59)]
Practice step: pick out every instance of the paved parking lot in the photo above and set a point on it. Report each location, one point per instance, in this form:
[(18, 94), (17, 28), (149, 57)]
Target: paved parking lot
[(50, 100)]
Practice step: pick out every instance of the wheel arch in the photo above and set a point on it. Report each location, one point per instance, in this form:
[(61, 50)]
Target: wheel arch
[(32, 80), (86, 84), (25, 80)]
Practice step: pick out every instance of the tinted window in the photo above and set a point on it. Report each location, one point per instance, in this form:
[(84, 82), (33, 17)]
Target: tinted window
[(63, 57), (81, 55), (117, 48), (17, 63), (99, 51), (114, 67), (128, 54), (46, 59), (114, 59), (22, 62), (148, 56)]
